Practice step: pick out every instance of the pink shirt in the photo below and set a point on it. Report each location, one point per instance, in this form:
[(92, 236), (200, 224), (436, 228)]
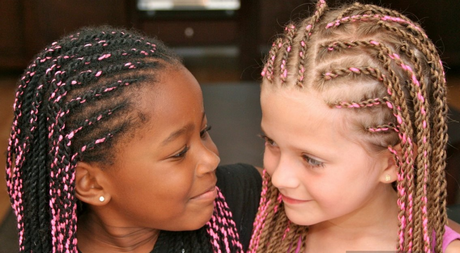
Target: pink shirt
[(449, 236)]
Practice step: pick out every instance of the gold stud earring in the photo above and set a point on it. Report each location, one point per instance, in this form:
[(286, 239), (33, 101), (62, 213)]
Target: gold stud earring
[(387, 178), (101, 198)]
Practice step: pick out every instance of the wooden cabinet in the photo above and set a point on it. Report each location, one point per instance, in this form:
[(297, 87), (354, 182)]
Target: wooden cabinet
[(12, 42), (26, 26)]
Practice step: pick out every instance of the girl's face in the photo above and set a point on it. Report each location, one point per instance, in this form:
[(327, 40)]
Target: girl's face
[(163, 176), (321, 173)]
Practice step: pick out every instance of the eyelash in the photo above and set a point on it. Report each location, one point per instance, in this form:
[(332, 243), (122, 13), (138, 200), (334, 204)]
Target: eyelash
[(267, 140), (181, 153), (204, 131), (312, 162)]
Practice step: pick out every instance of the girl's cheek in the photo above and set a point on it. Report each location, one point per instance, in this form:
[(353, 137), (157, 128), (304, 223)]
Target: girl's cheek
[(269, 162)]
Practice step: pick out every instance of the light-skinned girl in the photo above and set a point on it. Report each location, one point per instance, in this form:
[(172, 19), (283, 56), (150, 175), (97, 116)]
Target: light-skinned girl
[(354, 121)]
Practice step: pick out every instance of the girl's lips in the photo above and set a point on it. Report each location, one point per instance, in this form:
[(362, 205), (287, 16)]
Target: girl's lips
[(292, 201), (209, 194)]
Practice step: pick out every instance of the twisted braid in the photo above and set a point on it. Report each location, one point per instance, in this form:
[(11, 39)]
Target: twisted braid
[(267, 71), (406, 98), (73, 103), (309, 25), (220, 231), (290, 31)]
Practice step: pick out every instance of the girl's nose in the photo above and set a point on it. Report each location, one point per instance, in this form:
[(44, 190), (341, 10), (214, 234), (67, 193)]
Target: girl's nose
[(284, 175), (209, 160)]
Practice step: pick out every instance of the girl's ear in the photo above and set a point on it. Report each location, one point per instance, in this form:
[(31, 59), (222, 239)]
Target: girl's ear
[(88, 185), (390, 169)]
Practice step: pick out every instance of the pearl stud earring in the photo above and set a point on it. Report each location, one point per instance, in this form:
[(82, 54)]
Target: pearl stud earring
[(387, 178), (101, 198)]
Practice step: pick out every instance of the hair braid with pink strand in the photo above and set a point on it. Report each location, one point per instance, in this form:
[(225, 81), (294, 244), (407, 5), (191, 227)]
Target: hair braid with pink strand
[(74, 103), (397, 97)]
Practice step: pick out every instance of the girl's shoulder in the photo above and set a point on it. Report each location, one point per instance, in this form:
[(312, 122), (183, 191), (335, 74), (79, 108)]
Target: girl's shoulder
[(453, 247), (451, 241)]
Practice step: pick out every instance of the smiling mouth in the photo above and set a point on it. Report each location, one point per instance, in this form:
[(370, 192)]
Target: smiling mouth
[(210, 193), (292, 201)]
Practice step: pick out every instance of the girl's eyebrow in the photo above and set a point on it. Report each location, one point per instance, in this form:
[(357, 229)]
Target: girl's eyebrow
[(174, 135), (262, 130)]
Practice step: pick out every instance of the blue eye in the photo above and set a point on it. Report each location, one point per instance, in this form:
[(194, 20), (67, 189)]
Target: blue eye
[(204, 131), (181, 153)]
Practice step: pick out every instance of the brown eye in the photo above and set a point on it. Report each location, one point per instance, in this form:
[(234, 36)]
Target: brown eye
[(181, 153), (204, 131)]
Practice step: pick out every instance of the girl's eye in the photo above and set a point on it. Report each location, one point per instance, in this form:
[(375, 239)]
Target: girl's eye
[(181, 153), (204, 131), (267, 140), (312, 162)]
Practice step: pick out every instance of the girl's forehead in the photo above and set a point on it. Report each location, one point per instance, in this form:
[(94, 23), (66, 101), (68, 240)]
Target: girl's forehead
[(304, 110)]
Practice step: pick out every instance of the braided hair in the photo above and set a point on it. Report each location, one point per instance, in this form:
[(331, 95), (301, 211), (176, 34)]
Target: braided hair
[(381, 68), (73, 102)]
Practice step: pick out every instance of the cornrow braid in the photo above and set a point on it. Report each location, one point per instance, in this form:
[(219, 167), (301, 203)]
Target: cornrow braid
[(287, 46), (268, 68), (399, 99), (73, 103)]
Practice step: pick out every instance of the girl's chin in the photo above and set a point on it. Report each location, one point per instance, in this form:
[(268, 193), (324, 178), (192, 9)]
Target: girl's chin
[(198, 220)]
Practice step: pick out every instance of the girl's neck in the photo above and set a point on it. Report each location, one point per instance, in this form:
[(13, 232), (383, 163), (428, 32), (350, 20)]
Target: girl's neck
[(372, 227), (96, 236)]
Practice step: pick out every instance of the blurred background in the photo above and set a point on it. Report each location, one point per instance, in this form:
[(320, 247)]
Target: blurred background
[(222, 43)]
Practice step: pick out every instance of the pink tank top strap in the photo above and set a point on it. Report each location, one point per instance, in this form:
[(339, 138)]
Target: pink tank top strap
[(449, 236)]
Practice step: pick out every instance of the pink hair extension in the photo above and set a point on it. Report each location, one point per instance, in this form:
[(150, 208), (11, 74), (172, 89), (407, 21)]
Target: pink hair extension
[(14, 184), (321, 6), (259, 223), (383, 128), (425, 134), (63, 238), (407, 64), (288, 228), (259, 220), (279, 200), (262, 202), (99, 92), (362, 104), (374, 17), (87, 122), (332, 74), (401, 199), (287, 44), (226, 230), (268, 68), (406, 145), (436, 208), (224, 207)]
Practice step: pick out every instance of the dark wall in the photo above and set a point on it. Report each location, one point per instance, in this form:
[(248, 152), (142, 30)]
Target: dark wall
[(26, 26)]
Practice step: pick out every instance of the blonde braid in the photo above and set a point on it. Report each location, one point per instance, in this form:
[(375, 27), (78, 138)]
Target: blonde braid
[(267, 71), (396, 52), (309, 25)]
